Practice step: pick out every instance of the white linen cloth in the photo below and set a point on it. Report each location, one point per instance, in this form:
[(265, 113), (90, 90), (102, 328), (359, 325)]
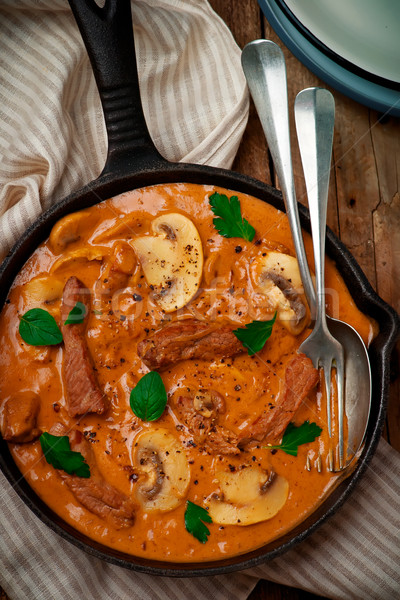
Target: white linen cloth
[(52, 141)]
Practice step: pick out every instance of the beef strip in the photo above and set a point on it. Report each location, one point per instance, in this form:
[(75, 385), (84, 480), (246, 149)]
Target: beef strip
[(188, 339), (83, 393), (20, 415), (200, 414), (300, 378), (95, 493)]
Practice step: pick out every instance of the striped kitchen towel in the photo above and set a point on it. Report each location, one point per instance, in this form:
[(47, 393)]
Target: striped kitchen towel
[(52, 141), (52, 133)]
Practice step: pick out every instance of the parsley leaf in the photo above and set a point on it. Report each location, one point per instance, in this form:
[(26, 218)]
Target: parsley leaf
[(254, 335), (149, 398), (37, 327), (57, 452), (77, 314), (229, 222), (296, 436), (195, 517)]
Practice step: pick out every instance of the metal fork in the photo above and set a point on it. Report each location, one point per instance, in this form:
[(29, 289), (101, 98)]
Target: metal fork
[(314, 115)]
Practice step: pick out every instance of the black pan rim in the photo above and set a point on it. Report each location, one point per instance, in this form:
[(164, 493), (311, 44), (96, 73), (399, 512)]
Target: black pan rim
[(381, 350)]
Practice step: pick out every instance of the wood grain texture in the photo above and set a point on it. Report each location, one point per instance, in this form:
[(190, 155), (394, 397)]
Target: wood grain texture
[(245, 21), (385, 134)]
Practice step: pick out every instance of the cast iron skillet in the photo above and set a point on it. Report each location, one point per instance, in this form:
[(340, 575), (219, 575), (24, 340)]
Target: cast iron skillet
[(134, 162)]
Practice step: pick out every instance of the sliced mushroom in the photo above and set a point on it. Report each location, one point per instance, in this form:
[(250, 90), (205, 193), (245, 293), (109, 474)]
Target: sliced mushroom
[(123, 227), (68, 230), (277, 276), (162, 462), (43, 289), (20, 418), (88, 253), (172, 260), (248, 496), (208, 403)]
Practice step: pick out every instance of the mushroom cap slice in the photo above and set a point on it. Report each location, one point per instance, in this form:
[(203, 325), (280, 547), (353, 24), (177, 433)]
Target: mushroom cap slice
[(277, 276), (161, 460), (248, 496), (88, 253), (43, 289), (68, 230), (171, 259)]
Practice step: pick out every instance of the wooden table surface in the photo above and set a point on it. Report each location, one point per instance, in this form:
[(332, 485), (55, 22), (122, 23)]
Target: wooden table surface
[(364, 196), (364, 202)]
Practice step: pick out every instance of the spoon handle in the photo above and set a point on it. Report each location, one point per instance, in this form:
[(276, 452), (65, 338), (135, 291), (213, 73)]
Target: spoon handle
[(265, 70), (314, 111)]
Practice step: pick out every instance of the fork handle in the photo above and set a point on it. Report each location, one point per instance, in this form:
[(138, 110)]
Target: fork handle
[(264, 66), (315, 115)]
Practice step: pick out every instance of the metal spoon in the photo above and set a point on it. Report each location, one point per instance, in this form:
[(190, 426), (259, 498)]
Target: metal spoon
[(264, 67)]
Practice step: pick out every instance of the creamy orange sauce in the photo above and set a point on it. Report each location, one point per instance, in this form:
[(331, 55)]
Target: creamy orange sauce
[(117, 324)]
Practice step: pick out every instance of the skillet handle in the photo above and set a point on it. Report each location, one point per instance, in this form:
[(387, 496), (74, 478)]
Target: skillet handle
[(108, 36)]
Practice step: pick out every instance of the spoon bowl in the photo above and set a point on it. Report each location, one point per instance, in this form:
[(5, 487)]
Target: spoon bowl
[(264, 67)]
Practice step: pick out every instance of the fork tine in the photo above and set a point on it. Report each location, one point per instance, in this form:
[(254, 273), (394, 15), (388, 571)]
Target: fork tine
[(317, 462), (330, 460), (326, 369), (308, 463), (326, 366), (340, 396)]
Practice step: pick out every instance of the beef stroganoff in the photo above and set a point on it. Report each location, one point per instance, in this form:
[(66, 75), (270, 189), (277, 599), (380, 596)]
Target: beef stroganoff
[(151, 389)]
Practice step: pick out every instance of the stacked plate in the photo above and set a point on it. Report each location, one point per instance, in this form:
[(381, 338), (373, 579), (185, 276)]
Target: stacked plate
[(353, 45)]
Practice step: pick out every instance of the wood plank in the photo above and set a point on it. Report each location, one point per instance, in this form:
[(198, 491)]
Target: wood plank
[(385, 138), (244, 21), (243, 18), (386, 223), (357, 183)]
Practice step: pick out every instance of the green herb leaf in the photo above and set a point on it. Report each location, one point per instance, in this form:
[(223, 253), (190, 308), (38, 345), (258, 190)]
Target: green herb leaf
[(77, 314), (195, 517), (229, 221), (58, 453), (149, 398), (37, 327), (296, 436), (254, 335)]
